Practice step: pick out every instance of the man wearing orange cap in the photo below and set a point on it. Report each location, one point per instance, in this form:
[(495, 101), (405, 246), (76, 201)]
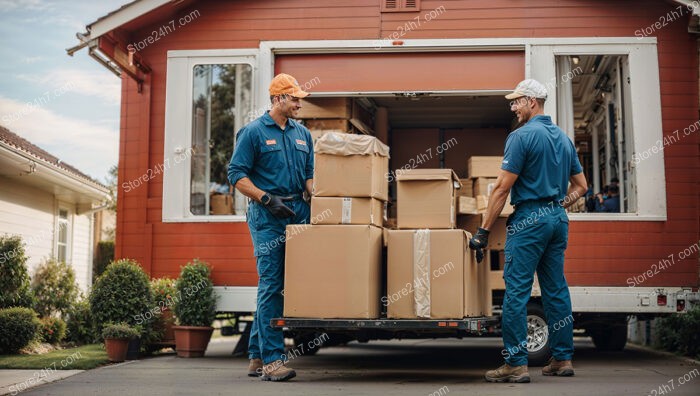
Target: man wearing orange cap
[(273, 164)]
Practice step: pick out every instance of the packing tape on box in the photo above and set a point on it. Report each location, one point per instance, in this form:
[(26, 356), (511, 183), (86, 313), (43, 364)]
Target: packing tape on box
[(421, 273), (346, 216)]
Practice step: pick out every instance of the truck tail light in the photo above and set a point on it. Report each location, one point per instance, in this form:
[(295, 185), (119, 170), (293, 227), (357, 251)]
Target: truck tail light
[(680, 305), (661, 300)]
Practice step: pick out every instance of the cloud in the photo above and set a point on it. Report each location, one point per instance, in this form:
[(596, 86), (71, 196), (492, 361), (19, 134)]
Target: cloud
[(92, 148), (32, 59), (99, 84), (31, 5)]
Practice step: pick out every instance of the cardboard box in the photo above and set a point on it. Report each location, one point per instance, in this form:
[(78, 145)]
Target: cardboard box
[(336, 210), (425, 274), (481, 185), (336, 124), (325, 108), (349, 165), (220, 204), (467, 189), (477, 300), (317, 133), (497, 234), (482, 203), (483, 166), (333, 271), (467, 205), (426, 198)]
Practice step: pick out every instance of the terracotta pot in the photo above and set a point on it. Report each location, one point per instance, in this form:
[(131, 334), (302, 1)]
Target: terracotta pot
[(169, 321), (116, 349), (192, 341)]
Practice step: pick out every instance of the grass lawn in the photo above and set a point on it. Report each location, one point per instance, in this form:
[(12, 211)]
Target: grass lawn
[(80, 358)]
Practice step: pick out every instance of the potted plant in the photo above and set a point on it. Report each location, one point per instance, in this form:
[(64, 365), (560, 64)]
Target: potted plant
[(164, 298), (117, 337), (195, 309)]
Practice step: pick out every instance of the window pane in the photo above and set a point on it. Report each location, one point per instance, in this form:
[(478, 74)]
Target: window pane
[(222, 96), (62, 232), (61, 253)]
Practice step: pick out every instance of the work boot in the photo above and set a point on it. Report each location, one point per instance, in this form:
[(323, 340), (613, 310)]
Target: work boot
[(562, 368), (255, 368), (506, 373), (277, 371)]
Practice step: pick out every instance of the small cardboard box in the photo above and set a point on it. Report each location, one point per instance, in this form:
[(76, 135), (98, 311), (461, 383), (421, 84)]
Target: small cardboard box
[(467, 205), (497, 234), (425, 274), (467, 189), (221, 204), (481, 185), (484, 166), (333, 271), (426, 198), (336, 210), (349, 165)]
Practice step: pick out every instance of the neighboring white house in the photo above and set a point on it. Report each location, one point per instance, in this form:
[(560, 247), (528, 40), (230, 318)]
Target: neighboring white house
[(50, 204)]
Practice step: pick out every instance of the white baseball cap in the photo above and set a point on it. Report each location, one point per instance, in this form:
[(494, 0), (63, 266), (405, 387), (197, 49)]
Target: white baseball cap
[(531, 88)]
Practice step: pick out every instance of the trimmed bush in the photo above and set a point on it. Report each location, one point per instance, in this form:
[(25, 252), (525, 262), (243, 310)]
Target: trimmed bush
[(53, 330), (18, 326), (79, 323), (119, 331), (195, 302), (679, 333), (14, 278), (54, 288), (163, 290), (121, 294), (103, 256)]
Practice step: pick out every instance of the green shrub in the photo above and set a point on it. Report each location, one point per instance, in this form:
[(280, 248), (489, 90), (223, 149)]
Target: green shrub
[(121, 294), (163, 290), (18, 327), (120, 331), (195, 301), (54, 288), (53, 330), (14, 278), (103, 256), (679, 333), (79, 323)]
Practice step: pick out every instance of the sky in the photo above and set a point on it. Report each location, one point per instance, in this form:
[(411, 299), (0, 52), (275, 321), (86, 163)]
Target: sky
[(74, 101)]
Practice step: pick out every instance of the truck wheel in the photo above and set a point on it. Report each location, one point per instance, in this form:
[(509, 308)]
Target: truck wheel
[(310, 343), (537, 335), (610, 338)]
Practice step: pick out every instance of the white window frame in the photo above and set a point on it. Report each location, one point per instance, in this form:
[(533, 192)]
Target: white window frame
[(69, 232), (178, 128), (645, 125)]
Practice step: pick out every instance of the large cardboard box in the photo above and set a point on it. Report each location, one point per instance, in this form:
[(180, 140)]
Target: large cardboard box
[(426, 198), (467, 189), (476, 288), (347, 210), (483, 166), (425, 274), (325, 108), (349, 165), (333, 271), (467, 205), (497, 234)]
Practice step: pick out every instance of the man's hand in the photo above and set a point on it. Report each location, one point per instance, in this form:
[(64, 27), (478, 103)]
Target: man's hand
[(277, 207), (478, 242)]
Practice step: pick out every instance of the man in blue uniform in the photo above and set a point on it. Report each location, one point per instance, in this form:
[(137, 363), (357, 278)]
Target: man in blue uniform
[(273, 164), (538, 164)]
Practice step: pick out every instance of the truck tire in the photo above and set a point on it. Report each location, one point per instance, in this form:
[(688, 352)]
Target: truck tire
[(537, 335), (610, 337)]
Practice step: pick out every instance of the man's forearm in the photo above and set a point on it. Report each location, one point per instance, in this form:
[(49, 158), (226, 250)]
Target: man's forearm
[(247, 188), (495, 206), (574, 193)]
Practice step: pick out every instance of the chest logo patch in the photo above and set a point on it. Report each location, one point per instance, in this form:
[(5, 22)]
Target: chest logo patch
[(271, 142), (302, 142)]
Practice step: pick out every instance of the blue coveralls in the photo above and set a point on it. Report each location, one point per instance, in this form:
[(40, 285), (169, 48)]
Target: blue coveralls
[(278, 162), (537, 234)]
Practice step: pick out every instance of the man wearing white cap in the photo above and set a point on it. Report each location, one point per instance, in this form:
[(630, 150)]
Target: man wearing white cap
[(538, 164)]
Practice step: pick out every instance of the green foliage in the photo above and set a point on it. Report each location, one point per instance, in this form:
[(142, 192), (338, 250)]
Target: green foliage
[(121, 294), (79, 323), (54, 288), (14, 278), (103, 256), (679, 333), (163, 290), (53, 330), (119, 331), (195, 303), (18, 326)]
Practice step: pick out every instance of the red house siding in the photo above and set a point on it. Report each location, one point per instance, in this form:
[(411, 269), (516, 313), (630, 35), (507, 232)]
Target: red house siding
[(600, 253)]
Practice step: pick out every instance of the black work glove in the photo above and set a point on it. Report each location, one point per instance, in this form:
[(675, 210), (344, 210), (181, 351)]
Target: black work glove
[(478, 242), (277, 207)]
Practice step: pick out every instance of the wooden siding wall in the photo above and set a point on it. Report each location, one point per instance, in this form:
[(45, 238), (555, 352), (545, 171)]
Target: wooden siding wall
[(600, 253)]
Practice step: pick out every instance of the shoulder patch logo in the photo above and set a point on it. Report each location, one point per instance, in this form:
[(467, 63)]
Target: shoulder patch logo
[(270, 142)]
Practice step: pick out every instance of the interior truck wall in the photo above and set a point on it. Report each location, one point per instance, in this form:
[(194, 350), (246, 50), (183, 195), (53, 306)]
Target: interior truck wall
[(600, 253)]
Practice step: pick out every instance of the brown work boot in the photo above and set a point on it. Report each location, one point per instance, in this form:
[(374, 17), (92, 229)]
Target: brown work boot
[(277, 371), (562, 368), (255, 368), (506, 373)]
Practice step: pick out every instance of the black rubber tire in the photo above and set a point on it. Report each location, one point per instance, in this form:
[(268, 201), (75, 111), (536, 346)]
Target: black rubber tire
[(541, 356), (611, 337)]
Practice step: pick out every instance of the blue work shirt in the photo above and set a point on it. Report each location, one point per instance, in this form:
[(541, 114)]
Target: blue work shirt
[(277, 161), (543, 157), (610, 205)]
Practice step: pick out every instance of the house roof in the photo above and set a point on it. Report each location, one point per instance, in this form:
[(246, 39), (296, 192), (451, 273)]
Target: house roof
[(19, 143)]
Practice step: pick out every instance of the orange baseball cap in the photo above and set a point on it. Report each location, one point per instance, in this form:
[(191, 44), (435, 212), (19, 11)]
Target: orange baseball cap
[(284, 84)]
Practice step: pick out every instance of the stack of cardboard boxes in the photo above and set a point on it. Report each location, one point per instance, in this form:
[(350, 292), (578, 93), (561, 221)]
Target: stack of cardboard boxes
[(334, 266)]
